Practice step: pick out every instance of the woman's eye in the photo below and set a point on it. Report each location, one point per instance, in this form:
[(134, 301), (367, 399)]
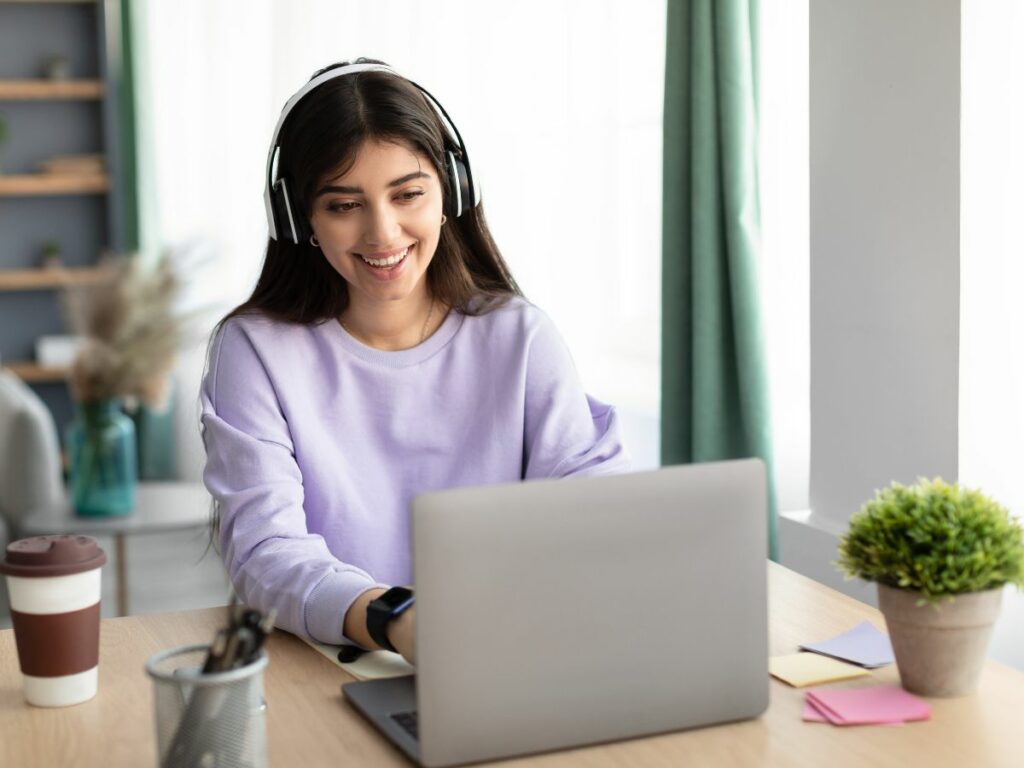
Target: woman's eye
[(346, 207), (342, 207)]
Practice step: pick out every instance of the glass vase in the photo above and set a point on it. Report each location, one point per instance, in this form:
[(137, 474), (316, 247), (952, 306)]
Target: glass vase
[(100, 444)]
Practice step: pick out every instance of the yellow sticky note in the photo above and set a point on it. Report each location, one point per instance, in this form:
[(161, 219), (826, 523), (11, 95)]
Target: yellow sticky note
[(369, 666), (802, 669)]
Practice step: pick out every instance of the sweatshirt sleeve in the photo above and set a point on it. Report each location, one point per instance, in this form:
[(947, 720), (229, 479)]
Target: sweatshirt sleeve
[(567, 432), (271, 557)]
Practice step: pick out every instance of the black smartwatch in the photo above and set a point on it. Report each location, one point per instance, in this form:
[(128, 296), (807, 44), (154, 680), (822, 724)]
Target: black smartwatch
[(384, 610)]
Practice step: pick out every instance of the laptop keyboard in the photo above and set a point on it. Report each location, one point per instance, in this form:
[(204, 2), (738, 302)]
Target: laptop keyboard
[(409, 721)]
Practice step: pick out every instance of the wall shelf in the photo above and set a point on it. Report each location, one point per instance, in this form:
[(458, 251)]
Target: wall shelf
[(52, 184), (32, 373), (37, 90), (41, 279), (61, 177)]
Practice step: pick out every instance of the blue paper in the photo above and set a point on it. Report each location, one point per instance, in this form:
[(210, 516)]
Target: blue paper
[(863, 645)]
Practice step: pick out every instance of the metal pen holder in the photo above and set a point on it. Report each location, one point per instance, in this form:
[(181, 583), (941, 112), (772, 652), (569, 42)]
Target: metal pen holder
[(213, 720)]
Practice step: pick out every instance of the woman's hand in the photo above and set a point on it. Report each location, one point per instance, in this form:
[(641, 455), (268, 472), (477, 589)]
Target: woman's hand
[(402, 634)]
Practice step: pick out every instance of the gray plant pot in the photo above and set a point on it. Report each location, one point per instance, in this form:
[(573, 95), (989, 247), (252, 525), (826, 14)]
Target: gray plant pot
[(940, 650)]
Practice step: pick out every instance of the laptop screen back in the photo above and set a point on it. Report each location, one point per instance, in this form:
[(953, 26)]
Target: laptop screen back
[(564, 612)]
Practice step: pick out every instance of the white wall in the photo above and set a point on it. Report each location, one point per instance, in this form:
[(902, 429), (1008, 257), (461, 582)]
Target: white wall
[(885, 96), (885, 164)]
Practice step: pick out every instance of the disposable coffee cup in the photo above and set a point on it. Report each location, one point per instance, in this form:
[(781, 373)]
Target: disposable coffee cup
[(54, 586)]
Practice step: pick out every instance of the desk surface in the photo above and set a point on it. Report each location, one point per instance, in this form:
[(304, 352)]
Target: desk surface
[(309, 724)]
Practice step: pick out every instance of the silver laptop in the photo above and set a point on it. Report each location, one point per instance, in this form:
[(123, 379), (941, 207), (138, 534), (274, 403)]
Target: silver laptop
[(558, 613)]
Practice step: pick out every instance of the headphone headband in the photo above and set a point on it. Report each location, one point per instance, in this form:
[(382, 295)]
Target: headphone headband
[(464, 191)]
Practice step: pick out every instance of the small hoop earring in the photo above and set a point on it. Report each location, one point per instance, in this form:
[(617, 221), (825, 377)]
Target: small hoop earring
[(313, 241), (443, 219)]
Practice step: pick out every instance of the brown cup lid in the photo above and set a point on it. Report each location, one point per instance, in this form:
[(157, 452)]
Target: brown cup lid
[(41, 556)]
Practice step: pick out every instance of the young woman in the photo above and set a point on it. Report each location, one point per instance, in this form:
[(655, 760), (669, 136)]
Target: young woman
[(385, 351)]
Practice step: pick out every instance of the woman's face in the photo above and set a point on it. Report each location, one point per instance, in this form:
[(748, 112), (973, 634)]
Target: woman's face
[(389, 201)]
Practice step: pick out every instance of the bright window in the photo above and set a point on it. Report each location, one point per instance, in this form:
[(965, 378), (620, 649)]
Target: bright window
[(785, 229), (991, 264), (560, 105)]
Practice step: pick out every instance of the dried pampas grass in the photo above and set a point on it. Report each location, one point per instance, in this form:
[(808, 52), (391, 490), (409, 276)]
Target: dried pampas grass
[(132, 332)]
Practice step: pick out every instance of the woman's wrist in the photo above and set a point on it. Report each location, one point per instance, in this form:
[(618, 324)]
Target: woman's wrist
[(401, 631), (355, 619), (402, 634)]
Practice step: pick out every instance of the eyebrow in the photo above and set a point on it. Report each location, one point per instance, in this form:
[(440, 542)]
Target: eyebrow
[(359, 190)]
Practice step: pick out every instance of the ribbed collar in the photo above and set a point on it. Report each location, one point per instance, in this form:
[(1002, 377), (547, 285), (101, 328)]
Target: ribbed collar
[(401, 358)]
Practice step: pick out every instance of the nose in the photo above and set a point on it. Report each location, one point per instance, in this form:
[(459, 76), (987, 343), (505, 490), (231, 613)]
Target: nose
[(382, 226)]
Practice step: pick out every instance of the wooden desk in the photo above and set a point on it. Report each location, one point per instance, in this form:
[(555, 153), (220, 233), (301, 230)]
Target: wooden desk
[(310, 725)]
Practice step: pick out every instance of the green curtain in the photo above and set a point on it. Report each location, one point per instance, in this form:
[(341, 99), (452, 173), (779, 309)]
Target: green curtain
[(128, 186), (154, 428), (714, 390), (140, 233)]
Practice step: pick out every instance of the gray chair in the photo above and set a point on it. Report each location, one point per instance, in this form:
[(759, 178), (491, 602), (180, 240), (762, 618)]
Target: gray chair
[(30, 470)]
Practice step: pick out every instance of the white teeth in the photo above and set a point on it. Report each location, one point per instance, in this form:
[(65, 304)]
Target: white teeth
[(388, 262)]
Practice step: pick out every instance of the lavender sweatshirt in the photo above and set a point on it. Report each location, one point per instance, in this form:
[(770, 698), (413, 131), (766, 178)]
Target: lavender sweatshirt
[(316, 444)]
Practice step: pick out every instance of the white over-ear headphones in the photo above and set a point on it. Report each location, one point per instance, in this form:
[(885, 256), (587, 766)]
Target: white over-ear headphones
[(284, 218)]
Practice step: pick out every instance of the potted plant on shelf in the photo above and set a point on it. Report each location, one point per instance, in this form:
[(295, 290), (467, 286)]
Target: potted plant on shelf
[(57, 67), (49, 255), (941, 555), (132, 332)]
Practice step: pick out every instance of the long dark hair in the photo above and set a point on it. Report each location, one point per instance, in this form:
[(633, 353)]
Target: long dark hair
[(321, 136)]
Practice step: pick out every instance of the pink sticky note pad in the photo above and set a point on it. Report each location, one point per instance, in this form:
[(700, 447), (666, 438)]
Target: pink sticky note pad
[(862, 706), (812, 714)]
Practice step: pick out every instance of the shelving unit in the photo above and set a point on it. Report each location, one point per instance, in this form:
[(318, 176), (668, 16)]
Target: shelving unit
[(55, 122), (40, 90), (42, 279), (32, 373), (35, 184)]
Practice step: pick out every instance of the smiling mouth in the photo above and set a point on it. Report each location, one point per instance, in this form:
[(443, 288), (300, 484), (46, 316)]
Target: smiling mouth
[(390, 261)]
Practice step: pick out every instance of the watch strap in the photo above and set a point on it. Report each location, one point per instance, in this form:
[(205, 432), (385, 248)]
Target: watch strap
[(385, 609)]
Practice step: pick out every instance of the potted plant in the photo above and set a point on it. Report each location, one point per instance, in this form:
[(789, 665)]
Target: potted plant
[(57, 67), (49, 255), (940, 555)]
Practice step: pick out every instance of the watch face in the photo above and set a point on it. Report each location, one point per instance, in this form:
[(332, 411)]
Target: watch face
[(396, 597)]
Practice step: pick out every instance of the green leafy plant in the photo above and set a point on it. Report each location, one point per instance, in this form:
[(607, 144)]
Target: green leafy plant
[(49, 255), (934, 538)]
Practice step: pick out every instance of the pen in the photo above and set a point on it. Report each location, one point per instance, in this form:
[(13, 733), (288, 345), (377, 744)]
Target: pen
[(208, 712)]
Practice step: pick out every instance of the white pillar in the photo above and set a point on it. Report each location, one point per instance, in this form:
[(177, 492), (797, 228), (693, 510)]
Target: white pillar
[(884, 246)]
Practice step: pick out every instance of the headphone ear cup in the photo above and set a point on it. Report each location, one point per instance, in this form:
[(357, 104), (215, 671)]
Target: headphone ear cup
[(278, 207), (289, 222), (303, 231), (460, 193)]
